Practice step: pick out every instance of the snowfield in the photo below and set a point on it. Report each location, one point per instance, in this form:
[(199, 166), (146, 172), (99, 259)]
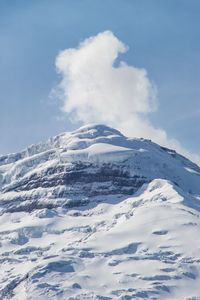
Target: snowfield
[(95, 215)]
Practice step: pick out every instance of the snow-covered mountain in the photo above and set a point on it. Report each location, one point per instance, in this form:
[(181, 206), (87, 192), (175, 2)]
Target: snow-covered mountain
[(95, 215)]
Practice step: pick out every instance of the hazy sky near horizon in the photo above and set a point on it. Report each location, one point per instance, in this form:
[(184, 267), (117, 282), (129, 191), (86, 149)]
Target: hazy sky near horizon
[(163, 37)]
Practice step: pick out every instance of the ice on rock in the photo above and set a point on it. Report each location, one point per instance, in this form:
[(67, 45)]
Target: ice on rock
[(98, 153)]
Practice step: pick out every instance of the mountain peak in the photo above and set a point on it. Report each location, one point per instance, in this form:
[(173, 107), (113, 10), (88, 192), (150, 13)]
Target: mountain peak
[(94, 130), (92, 149), (95, 199)]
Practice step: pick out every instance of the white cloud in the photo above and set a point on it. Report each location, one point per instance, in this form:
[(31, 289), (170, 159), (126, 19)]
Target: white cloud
[(95, 89)]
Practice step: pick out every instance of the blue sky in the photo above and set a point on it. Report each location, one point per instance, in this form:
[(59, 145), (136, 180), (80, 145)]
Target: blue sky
[(163, 37)]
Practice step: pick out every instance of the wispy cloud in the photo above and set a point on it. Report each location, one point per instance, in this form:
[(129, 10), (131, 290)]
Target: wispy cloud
[(94, 89)]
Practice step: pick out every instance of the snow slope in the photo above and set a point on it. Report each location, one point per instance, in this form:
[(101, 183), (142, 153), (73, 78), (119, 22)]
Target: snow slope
[(95, 215)]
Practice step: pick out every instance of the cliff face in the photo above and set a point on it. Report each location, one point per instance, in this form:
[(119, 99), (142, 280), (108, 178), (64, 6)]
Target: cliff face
[(95, 200), (93, 161)]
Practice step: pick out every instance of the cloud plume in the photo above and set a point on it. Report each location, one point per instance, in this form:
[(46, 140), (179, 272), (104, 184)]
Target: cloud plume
[(97, 87)]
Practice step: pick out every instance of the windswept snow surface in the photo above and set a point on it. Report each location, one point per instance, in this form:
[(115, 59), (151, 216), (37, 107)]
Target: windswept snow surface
[(94, 215)]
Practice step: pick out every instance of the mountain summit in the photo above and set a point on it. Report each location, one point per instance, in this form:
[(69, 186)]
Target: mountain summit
[(93, 214)]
